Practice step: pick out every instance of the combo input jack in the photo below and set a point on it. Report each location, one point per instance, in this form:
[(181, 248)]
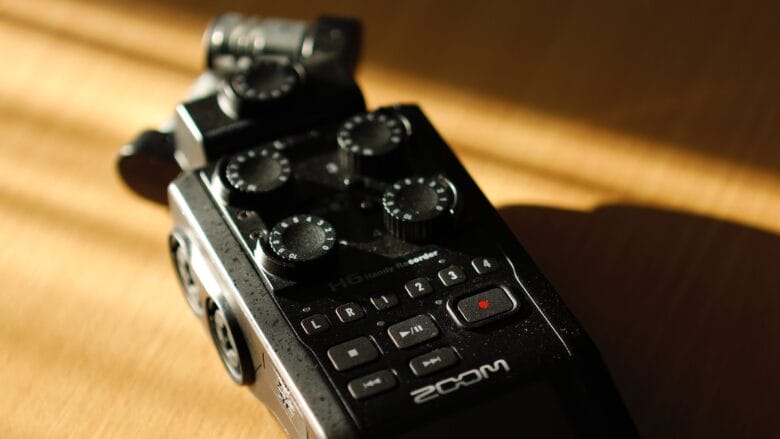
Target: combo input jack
[(229, 341), (181, 261), (223, 327)]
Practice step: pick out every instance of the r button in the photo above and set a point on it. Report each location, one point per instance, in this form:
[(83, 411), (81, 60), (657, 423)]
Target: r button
[(349, 312)]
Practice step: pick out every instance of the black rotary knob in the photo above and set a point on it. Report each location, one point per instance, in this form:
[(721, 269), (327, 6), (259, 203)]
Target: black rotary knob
[(257, 175), (259, 84), (414, 208), (371, 143), (297, 244)]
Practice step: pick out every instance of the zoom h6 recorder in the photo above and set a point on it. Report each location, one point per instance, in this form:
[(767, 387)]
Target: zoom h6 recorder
[(354, 277)]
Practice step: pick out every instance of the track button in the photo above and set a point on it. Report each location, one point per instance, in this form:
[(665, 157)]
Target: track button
[(418, 287), (452, 275), (483, 265), (384, 301)]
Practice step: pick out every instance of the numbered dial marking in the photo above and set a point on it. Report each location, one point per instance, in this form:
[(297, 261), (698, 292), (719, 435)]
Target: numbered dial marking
[(257, 172), (368, 141), (416, 199), (415, 206), (265, 80), (371, 134), (301, 238)]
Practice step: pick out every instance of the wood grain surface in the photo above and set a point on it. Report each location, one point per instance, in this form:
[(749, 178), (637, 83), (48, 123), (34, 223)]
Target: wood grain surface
[(632, 146)]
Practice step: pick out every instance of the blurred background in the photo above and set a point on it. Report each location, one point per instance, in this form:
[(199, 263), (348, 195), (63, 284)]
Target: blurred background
[(632, 147)]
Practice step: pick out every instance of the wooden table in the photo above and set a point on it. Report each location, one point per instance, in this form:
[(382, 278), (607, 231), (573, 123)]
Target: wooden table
[(633, 148)]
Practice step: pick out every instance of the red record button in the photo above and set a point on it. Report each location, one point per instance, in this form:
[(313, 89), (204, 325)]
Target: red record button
[(485, 305)]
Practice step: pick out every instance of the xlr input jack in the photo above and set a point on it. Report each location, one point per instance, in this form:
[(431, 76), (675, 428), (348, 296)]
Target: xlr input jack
[(230, 344), (181, 261)]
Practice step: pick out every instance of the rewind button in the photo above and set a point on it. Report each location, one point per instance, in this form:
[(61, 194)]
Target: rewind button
[(372, 384)]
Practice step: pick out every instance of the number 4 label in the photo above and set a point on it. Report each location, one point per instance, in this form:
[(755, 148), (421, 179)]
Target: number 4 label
[(483, 265)]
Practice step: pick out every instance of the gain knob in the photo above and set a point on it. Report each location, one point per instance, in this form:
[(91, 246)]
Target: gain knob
[(371, 144), (416, 208), (259, 84), (297, 245), (257, 175)]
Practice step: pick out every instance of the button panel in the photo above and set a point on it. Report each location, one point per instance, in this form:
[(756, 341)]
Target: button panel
[(413, 331), (372, 384), (483, 306), (433, 361), (472, 306), (352, 353)]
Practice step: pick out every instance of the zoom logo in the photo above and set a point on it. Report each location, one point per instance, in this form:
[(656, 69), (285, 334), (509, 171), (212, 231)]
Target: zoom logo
[(464, 379)]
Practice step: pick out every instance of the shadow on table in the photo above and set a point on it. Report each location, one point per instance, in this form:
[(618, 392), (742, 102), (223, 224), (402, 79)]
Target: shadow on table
[(685, 309)]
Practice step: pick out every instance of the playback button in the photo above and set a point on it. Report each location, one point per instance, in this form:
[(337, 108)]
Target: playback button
[(433, 361), (413, 331), (372, 384)]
